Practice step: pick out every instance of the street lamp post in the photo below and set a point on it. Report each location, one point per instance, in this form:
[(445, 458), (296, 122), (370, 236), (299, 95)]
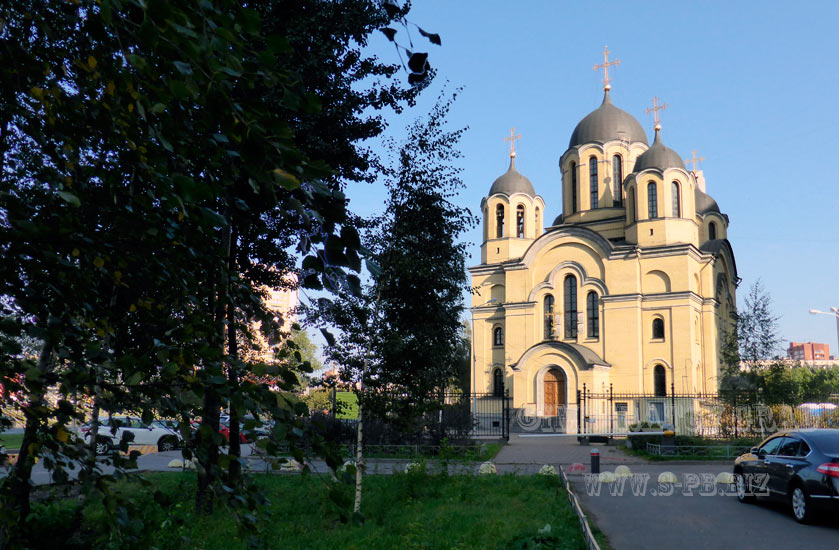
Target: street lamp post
[(834, 311)]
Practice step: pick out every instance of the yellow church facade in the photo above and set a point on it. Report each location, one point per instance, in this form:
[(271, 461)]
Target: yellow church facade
[(631, 287)]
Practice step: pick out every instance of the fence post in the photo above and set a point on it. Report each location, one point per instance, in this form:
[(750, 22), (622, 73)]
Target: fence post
[(611, 409), (505, 412), (734, 394), (579, 410), (585, 415), (673, 402)]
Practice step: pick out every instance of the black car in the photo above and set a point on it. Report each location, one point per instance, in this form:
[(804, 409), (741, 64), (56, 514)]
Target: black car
[(797, 466)]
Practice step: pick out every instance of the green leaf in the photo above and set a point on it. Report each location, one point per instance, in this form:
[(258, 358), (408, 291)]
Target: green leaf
[(70, 198), (183, 68), (158, 108), (134, 379), (285, 179), (330, 339)]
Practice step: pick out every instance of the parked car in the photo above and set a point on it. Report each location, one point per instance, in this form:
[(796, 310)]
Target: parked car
[(800, 467), (159, 433)]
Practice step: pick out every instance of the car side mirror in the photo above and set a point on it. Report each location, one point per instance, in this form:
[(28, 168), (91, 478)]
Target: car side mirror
[(753, 450)]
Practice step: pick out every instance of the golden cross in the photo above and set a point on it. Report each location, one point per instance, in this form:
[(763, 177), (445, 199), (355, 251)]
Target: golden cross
[(655, 109), (694, 159), (512, 139), (605, 66)]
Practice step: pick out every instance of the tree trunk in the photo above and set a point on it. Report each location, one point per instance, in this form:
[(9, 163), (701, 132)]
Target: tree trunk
[(235, 446), (18, 488), (359, 444), (206, 448)]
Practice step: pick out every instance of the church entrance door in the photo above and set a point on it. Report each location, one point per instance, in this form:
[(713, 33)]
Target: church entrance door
[(554, 392)]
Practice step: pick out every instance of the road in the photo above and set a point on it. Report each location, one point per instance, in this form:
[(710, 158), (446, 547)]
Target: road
[(687, 520)]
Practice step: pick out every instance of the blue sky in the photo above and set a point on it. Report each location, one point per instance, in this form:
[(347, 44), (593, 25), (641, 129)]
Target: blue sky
[(749, 85)]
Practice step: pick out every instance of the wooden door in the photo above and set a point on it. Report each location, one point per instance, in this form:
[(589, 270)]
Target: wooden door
[(554, 392)]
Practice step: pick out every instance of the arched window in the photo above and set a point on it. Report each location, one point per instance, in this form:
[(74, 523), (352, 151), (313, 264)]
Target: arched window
[(548, 316), (592, 180), (658, 328), (520, 221), (652, 201), (617, 180), (660, 381), (630, 199), (712, 231), (677, 201), (593, 315), (573, 187), (498, 336), (537, 221), (570, 306), (499, 221), (498, 383)]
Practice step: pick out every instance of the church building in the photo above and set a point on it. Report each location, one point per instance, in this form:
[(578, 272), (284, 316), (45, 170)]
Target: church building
[(632, 285)]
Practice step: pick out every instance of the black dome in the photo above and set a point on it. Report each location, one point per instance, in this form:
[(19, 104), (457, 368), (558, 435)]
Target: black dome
[(704, 202), (511, 182), (607, 123), (658, 156)]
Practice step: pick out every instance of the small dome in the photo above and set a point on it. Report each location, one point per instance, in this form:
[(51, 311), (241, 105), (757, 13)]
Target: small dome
[(658, 156), (607, 123), (704, 202), (559, 220), (511, 182)]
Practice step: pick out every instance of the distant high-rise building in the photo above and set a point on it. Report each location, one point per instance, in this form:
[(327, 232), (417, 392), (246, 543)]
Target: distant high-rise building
[(808, 351)]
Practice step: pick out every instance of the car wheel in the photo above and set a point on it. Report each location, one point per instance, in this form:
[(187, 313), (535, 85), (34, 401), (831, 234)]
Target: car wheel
[(802, 511), (744, 490), (167, 444)]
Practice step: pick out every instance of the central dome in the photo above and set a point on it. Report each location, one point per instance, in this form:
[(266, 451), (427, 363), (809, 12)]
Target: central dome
[(607, 123)]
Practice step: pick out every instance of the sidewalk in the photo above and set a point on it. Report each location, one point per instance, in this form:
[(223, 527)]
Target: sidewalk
[(559, 450)]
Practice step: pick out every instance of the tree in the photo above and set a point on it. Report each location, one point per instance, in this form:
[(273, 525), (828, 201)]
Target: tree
[(757, 327), (151, 155), (401, 335)]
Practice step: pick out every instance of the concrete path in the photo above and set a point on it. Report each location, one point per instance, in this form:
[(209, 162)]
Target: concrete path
[(559, 450)]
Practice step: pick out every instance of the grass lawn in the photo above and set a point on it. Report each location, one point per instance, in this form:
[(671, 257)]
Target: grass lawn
[(11, 441), (348, 404), (698, 448), (405, 511)]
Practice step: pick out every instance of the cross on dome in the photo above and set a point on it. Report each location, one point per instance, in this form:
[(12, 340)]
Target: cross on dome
[(605, 66), (694, 159), (512, 139), (655, 109)]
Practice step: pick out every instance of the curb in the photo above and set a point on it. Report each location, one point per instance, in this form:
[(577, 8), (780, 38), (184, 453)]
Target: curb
[(588, 536)]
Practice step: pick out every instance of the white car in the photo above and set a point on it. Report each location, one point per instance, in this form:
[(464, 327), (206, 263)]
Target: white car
[(159, 433)]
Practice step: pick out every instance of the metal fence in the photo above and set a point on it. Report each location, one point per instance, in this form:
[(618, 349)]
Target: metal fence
[(490, 415), (720, 415)]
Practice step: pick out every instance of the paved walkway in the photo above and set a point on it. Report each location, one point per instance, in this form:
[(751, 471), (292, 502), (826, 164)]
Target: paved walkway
[(523, 450)]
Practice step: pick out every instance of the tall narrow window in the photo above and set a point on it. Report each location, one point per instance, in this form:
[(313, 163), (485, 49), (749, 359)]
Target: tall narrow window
[(498, 383), (660, 381), (658, 328), (712, 231), (677, 201), (570, 306), (537, 222), (548, 315), (593, 315), (630, 199), (573, 187), (520, 221), (617, 180), (652, 200), (592, 180), (499, 221), (498, 336)]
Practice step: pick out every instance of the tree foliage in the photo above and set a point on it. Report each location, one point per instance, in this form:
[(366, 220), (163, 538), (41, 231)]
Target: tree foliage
[(159, 159)]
